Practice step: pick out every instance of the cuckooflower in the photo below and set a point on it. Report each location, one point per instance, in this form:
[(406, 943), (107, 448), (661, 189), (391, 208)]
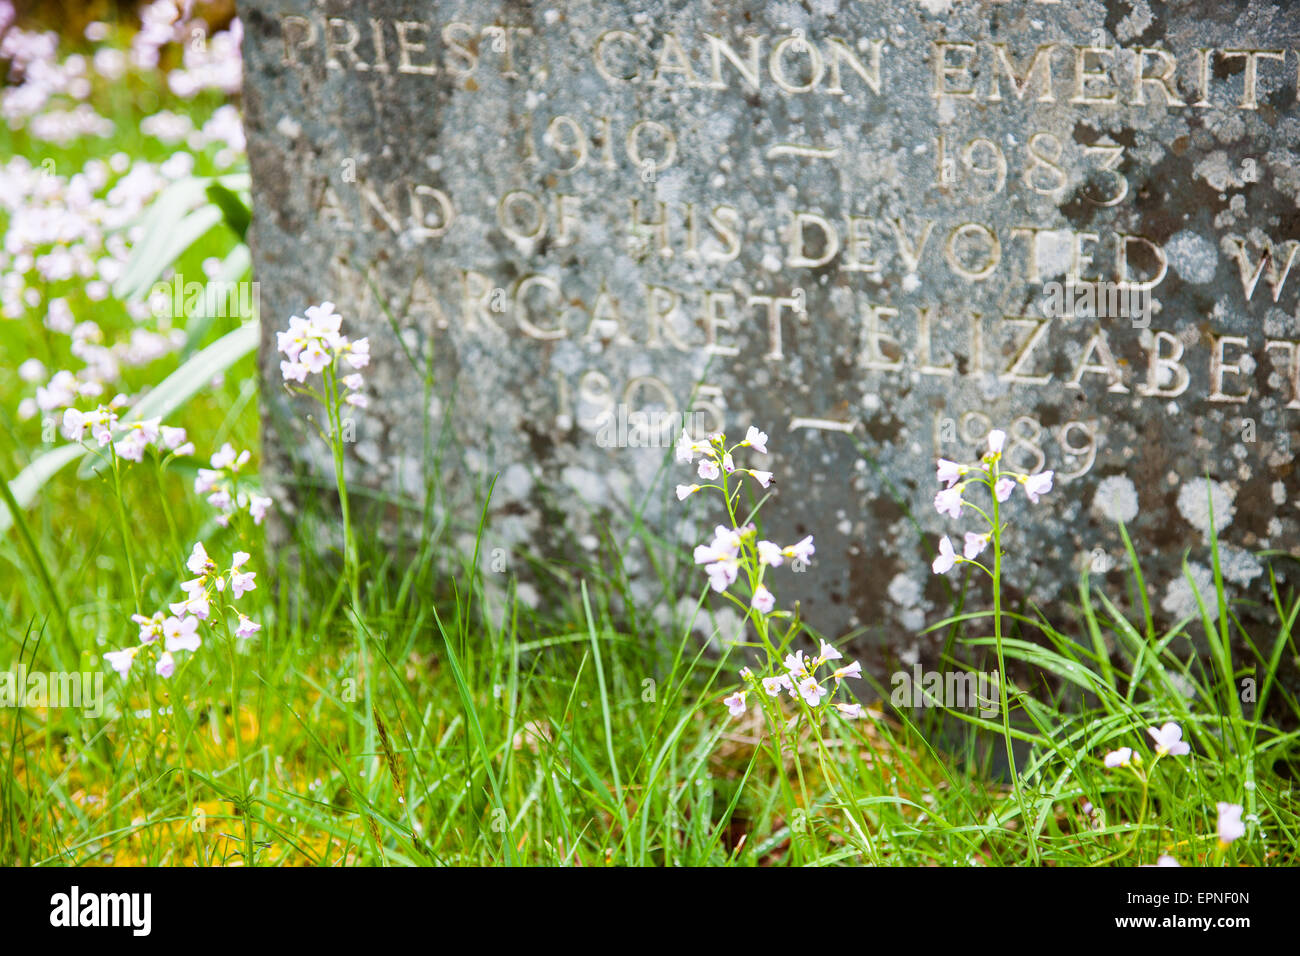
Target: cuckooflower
[(684, 490), (166, 665), (774, 685), (797, 666), (763, 601), (708, 469), (1004, 487), (1038, 485), (811, 691), (851, 711), (975, 543), (950, 472), (997, 439), (736, 703), (949, 502), (241, 582), (755, 439), (1169, 740), (182, 634), (151, 628), (852, 670), (947, 557), (1230, 825), (800, 550), (246, 628), (769, 554), (826, 653), (1119, 758), (687, 448), (199, 563), (722, 574), (121, 660)]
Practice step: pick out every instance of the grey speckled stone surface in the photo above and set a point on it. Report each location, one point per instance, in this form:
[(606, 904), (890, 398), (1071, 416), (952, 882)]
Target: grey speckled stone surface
[(570, 206)]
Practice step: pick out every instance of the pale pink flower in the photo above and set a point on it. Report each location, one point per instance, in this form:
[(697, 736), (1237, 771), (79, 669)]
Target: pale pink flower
[(763, 600), (1004, 487), (74, 424), (225, 457), (323, 318), (811, 691), (950, 472), (199, 563), (1230, 826), (181, 634), (853, 670), (947, 557), (769, 554), (686, 449), (121, 660), (851, 711), (1038, 485), (708, 469), (684, 490), (997, 439), (1119, 758), (764, 478), (196, 605), (357, 354), (948, 502), (736, 703), (151, 628), (975, 543), (293, 371), (257, 507), (241, 582), (798, 667), (755, 439), (246, 628), (1169, 740), (132, 446), (800, 550), (827, 653), (207, 480), (314, 358), (722, 574), (774, 685), (166, 665), (292, 342)]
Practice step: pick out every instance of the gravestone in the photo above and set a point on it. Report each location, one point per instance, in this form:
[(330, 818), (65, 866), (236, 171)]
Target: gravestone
[(874, 229)]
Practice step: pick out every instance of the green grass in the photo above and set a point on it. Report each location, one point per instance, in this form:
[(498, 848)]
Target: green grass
[(437, 720)]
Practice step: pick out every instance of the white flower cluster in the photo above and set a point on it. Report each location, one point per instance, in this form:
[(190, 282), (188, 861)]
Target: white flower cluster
[(179, 630), (988, 471), (313, 344), (129, 439), (799, 679), (222, 484)]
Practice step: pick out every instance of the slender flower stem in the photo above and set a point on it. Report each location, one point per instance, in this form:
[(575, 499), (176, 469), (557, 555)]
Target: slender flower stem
[(1002, 666), (122, 524)]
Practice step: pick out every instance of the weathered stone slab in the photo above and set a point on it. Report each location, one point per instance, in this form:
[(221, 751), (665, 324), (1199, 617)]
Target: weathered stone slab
[(839, 221)]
